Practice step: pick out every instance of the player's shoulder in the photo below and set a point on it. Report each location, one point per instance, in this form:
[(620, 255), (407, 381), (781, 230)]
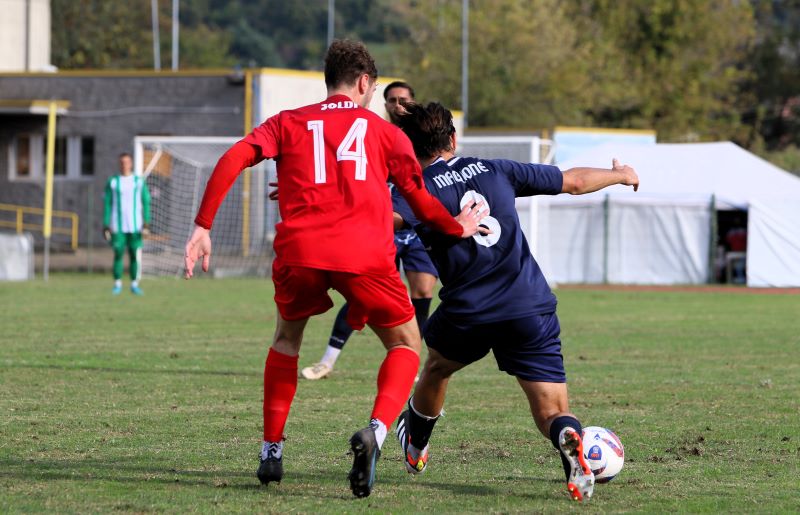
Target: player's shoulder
[(337, 105), (472, 166)]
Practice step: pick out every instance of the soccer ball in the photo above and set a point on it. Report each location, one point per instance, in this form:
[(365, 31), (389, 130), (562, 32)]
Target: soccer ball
[(603, 452)]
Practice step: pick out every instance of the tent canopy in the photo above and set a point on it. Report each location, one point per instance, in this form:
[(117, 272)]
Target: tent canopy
[(663, 234), (686, 170)]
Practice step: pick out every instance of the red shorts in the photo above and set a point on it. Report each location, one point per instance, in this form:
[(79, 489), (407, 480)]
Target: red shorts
[(381, 301)]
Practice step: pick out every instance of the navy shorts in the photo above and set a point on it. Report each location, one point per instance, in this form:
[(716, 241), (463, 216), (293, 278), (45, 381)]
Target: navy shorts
[(412, 253), (528, 348)]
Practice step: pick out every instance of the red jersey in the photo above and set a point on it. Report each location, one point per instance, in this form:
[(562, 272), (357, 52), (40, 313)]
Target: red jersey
[(333, 160)]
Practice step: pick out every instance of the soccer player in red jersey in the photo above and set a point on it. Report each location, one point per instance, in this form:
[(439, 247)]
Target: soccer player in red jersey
[(333, 161)]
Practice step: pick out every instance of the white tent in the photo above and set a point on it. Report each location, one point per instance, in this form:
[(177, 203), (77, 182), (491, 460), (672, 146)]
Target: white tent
[(665, 233)]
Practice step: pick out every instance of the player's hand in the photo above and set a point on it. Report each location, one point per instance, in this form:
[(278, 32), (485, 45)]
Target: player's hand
[(197, 246), (629, 174), (273, 195), (146, 230), (470, 217), (106, 234)]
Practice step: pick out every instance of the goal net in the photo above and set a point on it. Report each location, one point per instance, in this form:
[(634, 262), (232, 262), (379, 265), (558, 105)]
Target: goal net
[(525, 149), (176, 170)]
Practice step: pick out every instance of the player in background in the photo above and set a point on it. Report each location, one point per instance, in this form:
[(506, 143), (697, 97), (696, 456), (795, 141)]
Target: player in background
[(494, 296), (126, 217), (333, 161), (420, 272)]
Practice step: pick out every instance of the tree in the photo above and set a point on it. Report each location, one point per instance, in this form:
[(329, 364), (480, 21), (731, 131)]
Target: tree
[(100, 34), (675, 65), (776, 78), (526, 65)]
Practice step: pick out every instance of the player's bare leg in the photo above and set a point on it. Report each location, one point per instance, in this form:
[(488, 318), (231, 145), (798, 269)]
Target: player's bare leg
[(395, 379), (288, 335), (280, 385), (416, 424), (431, 389), (550, 409), (420, 284)]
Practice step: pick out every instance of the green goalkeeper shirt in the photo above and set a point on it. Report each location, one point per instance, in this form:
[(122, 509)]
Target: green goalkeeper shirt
[(126, 204)]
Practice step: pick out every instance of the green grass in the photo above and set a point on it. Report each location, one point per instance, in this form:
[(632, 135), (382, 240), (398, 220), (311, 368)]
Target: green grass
[(154, 404)]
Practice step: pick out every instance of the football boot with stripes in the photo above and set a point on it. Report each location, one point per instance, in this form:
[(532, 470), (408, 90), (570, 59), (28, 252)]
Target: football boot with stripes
[(270, 470), (416, 461)]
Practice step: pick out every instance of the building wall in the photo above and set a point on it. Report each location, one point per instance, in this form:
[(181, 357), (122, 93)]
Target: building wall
[(24, 35), (279, 89), (113, 109)]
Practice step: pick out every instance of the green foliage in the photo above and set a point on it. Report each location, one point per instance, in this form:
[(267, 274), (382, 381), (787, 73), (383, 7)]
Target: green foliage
[(674, 66), (101, 34), (690, 69), (775, 116), (788, 158), (143, 404), (523, 66)]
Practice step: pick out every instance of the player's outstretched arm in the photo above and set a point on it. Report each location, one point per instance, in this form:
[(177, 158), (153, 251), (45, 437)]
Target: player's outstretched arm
[(198, 246), (581, 180)]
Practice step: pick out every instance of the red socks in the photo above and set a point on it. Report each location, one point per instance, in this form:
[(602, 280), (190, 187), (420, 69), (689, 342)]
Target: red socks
[(280, 385), (395, 379)]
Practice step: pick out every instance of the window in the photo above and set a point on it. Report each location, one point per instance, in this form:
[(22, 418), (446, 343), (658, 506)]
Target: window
[(23, 156), (60, 161), (73, 157), (87, 156)]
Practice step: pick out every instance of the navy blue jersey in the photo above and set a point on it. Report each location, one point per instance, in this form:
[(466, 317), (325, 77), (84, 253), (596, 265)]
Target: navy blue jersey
[(493, 277)]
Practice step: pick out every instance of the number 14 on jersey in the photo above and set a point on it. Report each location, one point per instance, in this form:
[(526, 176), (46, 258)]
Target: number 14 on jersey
[(350, 149)]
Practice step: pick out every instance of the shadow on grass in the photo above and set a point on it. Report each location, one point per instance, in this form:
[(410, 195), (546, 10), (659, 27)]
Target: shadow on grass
[(466, 489), (26, 470), (94, 470), (138, 370)]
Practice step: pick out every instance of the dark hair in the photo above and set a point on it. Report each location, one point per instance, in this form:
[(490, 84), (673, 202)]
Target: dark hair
[(398, 84), (125, 154), (346, 61), (428, 127)]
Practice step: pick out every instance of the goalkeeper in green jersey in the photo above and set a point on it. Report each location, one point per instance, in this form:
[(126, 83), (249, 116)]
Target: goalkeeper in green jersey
[(126, 217)]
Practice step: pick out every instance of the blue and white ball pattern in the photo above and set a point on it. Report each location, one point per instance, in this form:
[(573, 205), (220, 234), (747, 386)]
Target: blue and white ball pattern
[(603, 452)]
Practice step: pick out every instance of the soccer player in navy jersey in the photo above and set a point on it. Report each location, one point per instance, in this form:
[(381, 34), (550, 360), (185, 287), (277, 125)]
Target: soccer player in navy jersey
[(333, 161), (417, 266), (493, 296)]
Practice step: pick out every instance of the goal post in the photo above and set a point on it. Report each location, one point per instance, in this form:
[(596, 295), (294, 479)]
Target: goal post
[(176, 169)]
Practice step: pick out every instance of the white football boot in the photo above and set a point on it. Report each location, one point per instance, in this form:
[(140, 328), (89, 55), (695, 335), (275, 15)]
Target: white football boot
[(317, 371)]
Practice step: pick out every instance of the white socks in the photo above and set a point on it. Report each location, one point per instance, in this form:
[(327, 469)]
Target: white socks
[(380, 431), (330, 356), (118, 283)]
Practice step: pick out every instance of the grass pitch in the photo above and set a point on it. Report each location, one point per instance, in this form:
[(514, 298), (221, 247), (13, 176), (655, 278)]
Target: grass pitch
[(154, 404)]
